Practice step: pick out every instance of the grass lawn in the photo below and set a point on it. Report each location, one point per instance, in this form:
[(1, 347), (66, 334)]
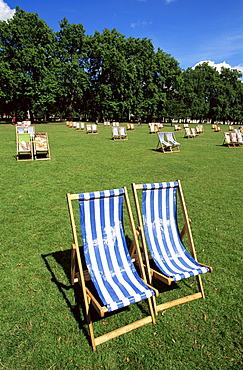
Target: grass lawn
[(42, 325)]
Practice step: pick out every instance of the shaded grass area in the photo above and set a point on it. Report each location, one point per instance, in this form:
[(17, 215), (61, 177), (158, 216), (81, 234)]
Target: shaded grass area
[(42, 317)]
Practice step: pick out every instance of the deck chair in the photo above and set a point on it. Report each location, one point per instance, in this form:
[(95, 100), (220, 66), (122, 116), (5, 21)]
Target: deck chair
[(31, 131), (94, 128), (163, 145), (123, 134), (234, 140), (158, 229), (188, 133), (109, 265), (88, 128), (153, 128), (194, 132), (227, 139), (115, 133), (24, 147), (172, 140), (41, 146), (19, 129), (239, 137)]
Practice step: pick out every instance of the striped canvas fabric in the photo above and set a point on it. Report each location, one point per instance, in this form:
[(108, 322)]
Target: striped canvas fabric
[(171, 139), (159, 211), (106, 254), (161, 136)]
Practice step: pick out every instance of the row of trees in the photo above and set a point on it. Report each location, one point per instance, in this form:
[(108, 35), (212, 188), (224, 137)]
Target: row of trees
[(105, 76)]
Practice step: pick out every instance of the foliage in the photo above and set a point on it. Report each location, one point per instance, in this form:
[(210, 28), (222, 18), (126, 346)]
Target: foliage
[(105, 76)]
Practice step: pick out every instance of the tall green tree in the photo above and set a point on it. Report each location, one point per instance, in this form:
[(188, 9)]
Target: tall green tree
[(70, 67), (26, 44)]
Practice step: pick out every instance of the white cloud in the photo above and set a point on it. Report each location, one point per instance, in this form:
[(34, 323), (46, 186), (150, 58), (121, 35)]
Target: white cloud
[(140, 23), (169, 1), (218, 66), (5, 11)]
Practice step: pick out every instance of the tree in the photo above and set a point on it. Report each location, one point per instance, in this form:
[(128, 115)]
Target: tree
[(70, 66), (26, 43)]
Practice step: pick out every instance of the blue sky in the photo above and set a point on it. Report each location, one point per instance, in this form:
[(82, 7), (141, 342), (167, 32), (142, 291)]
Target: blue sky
[(190, 30)]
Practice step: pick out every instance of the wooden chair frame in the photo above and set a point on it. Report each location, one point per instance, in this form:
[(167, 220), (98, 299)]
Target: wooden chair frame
[(81, 275), (154, 273)]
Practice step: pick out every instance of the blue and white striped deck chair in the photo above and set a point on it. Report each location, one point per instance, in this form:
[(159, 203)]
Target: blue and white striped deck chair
[(115, 133), (163, 145), (172, 140), (159, 231), (109, 264), (123, 133)]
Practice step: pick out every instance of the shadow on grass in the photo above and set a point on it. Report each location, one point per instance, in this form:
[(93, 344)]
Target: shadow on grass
[(63, 258)]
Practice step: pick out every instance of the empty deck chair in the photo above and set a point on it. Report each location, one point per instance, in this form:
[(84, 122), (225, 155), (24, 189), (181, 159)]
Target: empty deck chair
[(194, 132), (153, 128), (94, 128), (31, 131), (172, 140), (24, 147), (130, 126), (190, 133), (227, 139), (19, 129), (236, 140), (123, 134), (163, 145), (115, 133), (177, 127), (108, 263), (88, 128), (159, 231), (41, 146)]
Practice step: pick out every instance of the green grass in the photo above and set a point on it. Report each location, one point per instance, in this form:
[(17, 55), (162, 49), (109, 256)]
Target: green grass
[(42, 326)]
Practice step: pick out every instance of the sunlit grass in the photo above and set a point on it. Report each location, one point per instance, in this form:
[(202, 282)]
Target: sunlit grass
[(42, 327)]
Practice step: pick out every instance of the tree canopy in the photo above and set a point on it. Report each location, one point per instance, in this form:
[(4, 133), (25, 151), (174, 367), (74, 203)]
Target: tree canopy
[(105, 76)]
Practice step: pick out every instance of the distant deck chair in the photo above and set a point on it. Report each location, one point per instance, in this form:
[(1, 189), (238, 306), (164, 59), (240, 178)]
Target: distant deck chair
[(24, 147), (115, 133), (158, 229), (153, 128), (88, 128), (227, 139), (31, 131), (130, 126), (194, 132), (123, 133), (217, 128), (163, 145), (94, 128), (236, 139), (172, 140), (189, 133), (19, 129), (109, 265), (177, 127), (41, 146)]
